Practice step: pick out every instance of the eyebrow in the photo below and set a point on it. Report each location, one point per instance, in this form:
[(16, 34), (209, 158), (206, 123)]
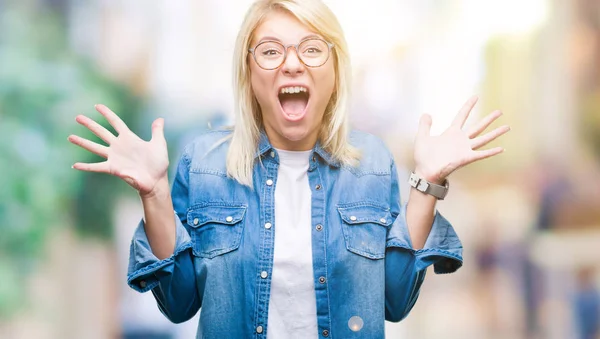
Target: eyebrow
[(310, 36)]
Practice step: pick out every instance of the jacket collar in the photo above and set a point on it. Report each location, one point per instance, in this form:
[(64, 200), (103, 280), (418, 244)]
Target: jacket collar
[(264, 146)]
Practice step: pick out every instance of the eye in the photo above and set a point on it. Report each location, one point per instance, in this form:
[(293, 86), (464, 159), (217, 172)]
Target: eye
[(269, 49), (270, 52), (313, 50)]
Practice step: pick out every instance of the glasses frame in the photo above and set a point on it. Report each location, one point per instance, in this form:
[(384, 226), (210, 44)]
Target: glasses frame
[(285, 52)]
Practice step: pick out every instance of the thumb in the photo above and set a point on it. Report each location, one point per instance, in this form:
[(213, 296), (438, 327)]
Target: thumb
[(158, 129), (424, 126)]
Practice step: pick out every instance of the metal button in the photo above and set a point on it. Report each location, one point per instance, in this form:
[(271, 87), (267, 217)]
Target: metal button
[(318, 187), (143, 284), (196, 221), (355, 323), (314, 158), (259, 329), (325, 333), (264, 274), (272, 154), (268, 225), (382, 220), (353, 218), (322, 280), (229, 219), (269, 182), (319, 227)]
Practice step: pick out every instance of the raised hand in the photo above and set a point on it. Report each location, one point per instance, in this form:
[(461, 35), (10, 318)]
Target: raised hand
[(438, 156), (142, 164)]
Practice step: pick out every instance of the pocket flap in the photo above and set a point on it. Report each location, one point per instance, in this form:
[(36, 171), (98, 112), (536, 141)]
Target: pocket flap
[(220, 214), (366, 214)]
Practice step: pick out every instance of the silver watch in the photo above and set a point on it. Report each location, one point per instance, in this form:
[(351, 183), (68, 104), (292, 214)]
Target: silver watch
[(424, 186)]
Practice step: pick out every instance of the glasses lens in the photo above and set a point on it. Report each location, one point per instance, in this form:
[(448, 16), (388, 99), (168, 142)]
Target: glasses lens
[(313, 52), (269, 54)]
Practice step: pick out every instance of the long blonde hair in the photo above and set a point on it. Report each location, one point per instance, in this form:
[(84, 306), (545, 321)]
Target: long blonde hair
[(333, 135)]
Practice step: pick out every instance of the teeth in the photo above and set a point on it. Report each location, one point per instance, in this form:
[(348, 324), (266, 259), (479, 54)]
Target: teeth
[(293, 89)]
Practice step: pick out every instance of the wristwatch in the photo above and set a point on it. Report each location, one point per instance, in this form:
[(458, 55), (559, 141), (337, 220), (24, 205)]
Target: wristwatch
[(424, 186)]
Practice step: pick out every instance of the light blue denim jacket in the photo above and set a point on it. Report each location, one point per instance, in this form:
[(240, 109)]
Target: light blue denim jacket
[(363, 262)]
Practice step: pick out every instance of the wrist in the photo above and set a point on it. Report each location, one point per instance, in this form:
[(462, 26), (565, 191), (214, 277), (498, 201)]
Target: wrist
[(160, 190), (423, 185), (432, 178)]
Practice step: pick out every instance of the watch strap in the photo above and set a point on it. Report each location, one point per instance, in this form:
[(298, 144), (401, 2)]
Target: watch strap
[(424, 186)]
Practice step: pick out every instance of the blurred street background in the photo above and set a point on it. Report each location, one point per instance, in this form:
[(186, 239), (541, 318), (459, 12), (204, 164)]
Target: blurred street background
[(529, 219)]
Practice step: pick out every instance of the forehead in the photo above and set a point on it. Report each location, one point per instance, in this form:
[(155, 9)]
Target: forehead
[(282, 26)]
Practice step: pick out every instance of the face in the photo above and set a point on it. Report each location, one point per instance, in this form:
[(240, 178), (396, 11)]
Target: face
[(292, 120)]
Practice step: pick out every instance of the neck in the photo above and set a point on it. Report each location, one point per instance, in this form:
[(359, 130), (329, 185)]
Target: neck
[(279, 141)]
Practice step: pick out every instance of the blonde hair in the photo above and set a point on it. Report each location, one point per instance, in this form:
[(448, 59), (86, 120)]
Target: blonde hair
[(333, 135)]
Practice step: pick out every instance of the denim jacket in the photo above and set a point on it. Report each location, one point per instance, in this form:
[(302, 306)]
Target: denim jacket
[(365, 268)]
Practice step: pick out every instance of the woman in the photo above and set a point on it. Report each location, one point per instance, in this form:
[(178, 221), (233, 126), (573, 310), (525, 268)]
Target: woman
[(288, 226)]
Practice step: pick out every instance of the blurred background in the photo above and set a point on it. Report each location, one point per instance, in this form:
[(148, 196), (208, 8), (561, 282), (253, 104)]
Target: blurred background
[(529, 219)]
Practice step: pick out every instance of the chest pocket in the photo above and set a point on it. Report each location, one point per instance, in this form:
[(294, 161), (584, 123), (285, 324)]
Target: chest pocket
[(365, 229), (216, 229)]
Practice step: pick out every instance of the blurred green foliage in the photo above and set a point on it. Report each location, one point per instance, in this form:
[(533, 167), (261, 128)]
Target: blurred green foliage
[(590, 109), (43, 86)]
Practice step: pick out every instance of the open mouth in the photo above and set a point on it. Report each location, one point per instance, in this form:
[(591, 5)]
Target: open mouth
[(293, 101)]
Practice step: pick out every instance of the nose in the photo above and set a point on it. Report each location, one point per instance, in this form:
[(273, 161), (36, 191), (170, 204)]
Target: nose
[(292, 64)]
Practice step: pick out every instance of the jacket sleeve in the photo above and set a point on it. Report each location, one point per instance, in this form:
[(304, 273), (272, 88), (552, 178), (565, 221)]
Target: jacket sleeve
[(172, 280), (405, 267)]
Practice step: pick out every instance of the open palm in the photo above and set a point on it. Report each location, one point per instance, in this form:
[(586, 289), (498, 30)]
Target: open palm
[(140, 163), (438, 156)]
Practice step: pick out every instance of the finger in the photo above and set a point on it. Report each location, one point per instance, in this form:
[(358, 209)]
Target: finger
[(158, 129), (463, 114), (480, 155), (91, 146), (100, 167), (96, 128), (112, 118), (424, 126), (483, 124), (486, 138)]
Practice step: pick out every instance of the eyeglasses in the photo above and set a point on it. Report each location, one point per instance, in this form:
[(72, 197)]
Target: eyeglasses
[(313, 52)]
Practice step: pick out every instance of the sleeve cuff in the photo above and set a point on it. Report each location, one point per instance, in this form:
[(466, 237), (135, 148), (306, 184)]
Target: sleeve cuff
[(442, 249), (144, 267)]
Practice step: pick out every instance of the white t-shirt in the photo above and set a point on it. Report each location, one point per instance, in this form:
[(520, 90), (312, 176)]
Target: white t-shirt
[(293, 305)]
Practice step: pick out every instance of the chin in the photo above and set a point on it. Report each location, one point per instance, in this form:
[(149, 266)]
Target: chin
[(295, 134), (296, 138)]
